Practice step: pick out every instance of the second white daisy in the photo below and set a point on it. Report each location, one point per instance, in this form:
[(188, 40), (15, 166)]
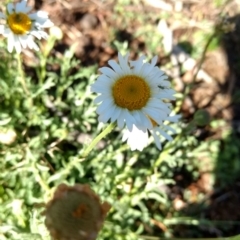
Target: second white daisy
[(21, 26), (133, 93)]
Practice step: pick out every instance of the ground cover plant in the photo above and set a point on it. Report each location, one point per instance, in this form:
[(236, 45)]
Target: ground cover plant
[(82, 156)]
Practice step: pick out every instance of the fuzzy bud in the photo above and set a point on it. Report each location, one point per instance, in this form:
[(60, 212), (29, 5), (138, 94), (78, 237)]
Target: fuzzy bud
[(202, 117)]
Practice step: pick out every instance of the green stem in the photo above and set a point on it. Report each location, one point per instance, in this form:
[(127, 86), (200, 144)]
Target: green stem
[(104, 133), (42, 69), (199, 66), (22, 76), (203, 55)]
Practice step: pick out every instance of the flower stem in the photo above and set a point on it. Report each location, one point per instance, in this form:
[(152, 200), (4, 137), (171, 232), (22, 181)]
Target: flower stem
[(22, 76), (104, 133)]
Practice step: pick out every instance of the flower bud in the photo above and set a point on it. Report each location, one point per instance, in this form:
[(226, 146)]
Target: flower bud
[(201, 117)]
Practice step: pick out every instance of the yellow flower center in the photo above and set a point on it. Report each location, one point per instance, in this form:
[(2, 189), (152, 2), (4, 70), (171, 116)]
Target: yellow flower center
[(19, 23), (131, 92)]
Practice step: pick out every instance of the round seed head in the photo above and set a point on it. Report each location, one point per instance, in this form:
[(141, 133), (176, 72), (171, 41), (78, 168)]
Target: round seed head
[(75, 213)]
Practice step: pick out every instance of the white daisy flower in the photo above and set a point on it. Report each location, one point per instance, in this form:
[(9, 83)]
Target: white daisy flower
[(133, 93), (21, 25)]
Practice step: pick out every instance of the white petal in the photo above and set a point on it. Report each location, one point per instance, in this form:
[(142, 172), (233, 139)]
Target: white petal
[(130, 120), (121, 119), (38, 15), (124, 63), (104, 106), (39, 34), (103, 81), (43, 34), (164, 134), (154, 60), (36, 34), (156, 114), (47, 24), (6, 32), (10, 8), (136, 138), (2, 15), (103, 78), (41, 19), (173, 118), (146, 69), (125, 135), (17, 44), (108, 72), (22, 7), (1, 29), (101, 98), (143, 122), (156, 140), (158, 75), (107, 114), (165, 84), (138, 63), (23, 40), (166, 95), (156, 103), (137, 116), (115, 66), (103, 118), (99, 88), (11, 42), (168, 128), (116, 114), (32, 44)]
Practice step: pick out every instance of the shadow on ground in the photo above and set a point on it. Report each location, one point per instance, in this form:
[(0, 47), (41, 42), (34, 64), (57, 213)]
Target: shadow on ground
[(218, 215)]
